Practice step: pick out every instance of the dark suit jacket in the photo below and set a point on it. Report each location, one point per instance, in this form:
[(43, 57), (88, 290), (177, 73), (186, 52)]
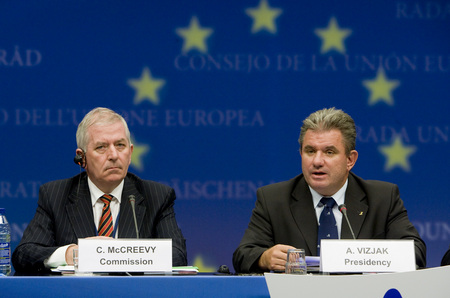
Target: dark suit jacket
[(64, 214), (284, 214), (446, 258)]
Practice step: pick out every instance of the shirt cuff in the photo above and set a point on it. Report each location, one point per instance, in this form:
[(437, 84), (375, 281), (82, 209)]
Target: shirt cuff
[(58, 258)]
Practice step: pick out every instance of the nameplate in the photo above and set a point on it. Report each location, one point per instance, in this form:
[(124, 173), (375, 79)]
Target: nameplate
[(124, 255), (367, 256)]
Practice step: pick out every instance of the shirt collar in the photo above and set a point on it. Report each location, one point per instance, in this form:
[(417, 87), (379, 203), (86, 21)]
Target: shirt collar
[(339, 196), (96, 193)]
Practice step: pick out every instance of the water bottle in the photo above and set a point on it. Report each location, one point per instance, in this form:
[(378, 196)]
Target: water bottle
[(5, 244)]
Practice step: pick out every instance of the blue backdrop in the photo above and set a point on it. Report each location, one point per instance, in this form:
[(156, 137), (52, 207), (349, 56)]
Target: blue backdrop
[(214, 93)]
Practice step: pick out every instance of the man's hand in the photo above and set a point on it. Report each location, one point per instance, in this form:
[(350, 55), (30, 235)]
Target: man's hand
[(69, 254), (274, 258), (69, 251)]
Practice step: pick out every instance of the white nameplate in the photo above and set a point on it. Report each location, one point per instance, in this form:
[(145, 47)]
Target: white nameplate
[(124, 255), (367, 256)]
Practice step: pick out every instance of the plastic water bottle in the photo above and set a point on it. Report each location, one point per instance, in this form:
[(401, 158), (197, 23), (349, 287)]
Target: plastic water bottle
[(5, 244)]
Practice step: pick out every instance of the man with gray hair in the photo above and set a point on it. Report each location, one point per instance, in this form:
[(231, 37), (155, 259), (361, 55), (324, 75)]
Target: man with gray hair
[(289, 214), (96, 203)]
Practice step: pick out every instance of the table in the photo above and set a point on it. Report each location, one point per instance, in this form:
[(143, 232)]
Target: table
[(431, 282), (134, 286)]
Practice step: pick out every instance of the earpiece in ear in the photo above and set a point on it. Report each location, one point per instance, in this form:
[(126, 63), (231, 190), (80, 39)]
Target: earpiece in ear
[(78, 159)]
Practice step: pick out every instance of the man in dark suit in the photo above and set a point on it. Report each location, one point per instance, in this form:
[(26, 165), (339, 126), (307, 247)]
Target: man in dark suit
[(286, 214), (72, 208)]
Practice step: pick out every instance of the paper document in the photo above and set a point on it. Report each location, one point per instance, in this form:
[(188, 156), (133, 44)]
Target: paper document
[(176, 270)]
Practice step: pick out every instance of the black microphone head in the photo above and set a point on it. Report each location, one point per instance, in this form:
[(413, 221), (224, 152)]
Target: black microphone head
[(343, 208), (224, 269)]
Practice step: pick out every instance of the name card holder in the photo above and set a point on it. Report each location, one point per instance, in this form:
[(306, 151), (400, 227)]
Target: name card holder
[(124, 255), (342, 256)]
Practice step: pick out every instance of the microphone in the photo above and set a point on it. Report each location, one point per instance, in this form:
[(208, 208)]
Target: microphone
[(132, 200), (223, 269), (343, 210)]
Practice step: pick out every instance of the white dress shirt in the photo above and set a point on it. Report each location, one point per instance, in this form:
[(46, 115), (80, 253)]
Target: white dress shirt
[(97, 204)]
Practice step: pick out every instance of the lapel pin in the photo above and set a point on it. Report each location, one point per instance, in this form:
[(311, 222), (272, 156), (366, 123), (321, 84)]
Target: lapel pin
[(361, 213)]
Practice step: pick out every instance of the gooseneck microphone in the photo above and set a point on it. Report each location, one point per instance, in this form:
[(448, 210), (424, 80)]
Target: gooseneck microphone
[(343, 210), (132, 200)]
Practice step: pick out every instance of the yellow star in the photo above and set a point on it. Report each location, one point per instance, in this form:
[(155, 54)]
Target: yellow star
[(264, 17), (397, 155), (194, 36), (381, 88), (138, 152), (333, 37), (198, 262), (146, 87)]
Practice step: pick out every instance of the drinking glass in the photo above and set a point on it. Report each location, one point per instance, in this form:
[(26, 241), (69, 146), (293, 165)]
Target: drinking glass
[(296, 263)]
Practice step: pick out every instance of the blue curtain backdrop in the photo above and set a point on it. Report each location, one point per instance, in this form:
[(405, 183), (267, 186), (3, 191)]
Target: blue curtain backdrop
[(214, 93)]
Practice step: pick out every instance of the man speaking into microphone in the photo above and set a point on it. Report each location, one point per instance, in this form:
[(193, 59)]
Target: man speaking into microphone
[(300, 212), (104, 201)]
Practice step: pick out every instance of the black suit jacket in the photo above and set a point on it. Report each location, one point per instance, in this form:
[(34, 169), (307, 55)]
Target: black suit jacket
[(64, 214), (446, 258), (284, 214)]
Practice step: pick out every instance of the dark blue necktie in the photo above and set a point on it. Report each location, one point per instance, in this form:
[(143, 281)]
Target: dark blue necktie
[(327, 222)]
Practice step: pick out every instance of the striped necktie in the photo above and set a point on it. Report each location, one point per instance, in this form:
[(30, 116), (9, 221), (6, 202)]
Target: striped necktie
[(105, 228), (327, 222)]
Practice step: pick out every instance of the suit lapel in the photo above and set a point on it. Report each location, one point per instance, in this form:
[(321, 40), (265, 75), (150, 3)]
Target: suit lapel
[(126, 219), (79, 209), (356, 208), (304, 214)]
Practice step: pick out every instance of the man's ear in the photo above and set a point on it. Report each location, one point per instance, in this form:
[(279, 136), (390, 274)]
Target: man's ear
[(351, 159)]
